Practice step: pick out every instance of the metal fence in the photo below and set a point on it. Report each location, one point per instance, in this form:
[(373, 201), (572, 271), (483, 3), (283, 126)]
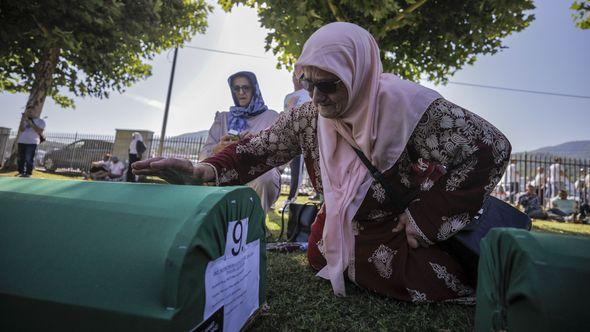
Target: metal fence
[(76, 152), (68, 152), (176, 147), (548, 174)]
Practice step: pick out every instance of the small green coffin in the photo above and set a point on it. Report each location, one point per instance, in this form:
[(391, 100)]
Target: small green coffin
[(532, 281), (96, 256)]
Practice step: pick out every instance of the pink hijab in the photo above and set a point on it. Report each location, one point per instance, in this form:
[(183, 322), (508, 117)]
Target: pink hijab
[(380, 116)]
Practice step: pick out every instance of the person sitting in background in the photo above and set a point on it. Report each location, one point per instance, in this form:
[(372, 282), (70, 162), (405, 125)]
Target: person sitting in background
[(116, 169), (531, 203), (100, 169), (562, 208), (584, 213)]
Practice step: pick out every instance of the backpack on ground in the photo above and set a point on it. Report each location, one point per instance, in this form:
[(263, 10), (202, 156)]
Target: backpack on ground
[(301, 216)]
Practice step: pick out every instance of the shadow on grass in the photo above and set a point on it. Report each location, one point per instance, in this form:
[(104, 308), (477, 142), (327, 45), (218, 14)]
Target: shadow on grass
[(298, 300)]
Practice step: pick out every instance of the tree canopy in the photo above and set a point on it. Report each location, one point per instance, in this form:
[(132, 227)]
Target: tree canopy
[(581, 13), (90, 47), (418, 38)]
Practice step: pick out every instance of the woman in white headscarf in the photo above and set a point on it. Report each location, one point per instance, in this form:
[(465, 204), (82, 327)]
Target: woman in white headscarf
[(438, 159), (136, 150)]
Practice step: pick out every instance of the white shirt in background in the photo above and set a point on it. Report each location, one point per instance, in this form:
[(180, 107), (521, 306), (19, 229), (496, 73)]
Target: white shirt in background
[(554, 172), (117, 168), (540, 180), (510, 175), (104, 164), (296, 99), (29, 135)]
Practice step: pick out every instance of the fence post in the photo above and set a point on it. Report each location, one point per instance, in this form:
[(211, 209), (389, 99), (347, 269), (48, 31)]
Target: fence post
[(73, 156), (4, 136), (526, 173)]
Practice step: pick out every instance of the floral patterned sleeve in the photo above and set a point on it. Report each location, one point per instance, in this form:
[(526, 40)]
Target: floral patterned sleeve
[(474, 154), (252, 156)]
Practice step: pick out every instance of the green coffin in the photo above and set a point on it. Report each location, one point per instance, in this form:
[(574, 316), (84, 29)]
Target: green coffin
[(84, 256), (531, 281)]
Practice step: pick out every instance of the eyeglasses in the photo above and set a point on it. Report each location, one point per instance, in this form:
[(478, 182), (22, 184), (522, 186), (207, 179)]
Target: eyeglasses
[(323, 86), (237, 88)]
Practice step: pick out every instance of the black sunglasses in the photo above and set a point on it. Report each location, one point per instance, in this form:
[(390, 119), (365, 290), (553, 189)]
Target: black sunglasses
[(323, 86), (237, 88)]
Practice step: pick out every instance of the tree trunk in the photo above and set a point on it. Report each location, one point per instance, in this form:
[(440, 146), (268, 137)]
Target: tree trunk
[(41, 87)]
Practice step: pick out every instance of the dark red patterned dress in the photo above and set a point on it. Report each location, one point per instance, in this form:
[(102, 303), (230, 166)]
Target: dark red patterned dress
[(453, 159)]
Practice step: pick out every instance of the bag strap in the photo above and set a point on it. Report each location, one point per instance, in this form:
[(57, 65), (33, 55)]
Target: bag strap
[(282, 222), (394, 199)]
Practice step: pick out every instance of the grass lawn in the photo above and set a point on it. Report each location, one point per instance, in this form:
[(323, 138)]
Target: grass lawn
[(298, 300), (561, 228), (46, 175)]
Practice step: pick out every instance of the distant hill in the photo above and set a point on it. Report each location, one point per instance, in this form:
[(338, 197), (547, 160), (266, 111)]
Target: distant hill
[(576, 149), (193, 136)]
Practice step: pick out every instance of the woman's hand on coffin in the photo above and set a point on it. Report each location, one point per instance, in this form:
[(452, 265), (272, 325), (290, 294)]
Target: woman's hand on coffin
[(173, 170)]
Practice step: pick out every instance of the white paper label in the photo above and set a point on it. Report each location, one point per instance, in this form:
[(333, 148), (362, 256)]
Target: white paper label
[(232, 280)]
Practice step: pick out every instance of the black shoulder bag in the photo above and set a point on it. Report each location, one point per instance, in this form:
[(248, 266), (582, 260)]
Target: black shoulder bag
[(301, 216), (140, 147), (464, 245)]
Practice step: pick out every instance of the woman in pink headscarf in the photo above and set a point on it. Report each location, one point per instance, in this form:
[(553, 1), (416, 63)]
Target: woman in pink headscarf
[(439, 159)]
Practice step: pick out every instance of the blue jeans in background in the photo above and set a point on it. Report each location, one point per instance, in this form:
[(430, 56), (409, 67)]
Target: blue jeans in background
[(26, 154)]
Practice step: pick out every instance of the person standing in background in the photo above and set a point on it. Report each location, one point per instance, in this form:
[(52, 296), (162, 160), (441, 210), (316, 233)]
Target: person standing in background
[(31, 136), (580, 185), (248, 116), (299, 96), (294, 100), (587, 186), (511, 178), (556, 178), (136, 150), (540, 182)]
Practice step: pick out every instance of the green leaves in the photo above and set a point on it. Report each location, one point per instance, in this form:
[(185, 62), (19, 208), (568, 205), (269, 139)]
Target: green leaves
[(581, 13), (104, 44), (418, 38)]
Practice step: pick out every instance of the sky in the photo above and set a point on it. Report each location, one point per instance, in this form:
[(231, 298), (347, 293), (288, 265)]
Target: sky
[(550, 55)]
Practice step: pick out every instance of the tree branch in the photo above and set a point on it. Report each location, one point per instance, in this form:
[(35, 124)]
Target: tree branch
[(336, 11), (40, 26), (397, 21)]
